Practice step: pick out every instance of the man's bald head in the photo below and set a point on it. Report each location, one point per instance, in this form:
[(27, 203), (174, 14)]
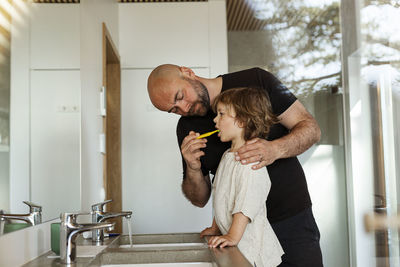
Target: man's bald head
[(159, 81), (176, 89)]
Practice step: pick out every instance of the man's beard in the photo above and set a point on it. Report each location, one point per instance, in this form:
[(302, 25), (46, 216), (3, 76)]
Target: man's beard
[(203, 99)]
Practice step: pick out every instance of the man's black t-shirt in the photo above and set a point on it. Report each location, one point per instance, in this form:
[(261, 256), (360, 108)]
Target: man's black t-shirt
[(289, 194)]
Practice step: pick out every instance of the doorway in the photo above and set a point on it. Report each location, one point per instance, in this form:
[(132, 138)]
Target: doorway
[(112, 126)]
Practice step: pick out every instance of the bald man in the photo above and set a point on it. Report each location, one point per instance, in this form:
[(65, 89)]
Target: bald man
[(178, 90)]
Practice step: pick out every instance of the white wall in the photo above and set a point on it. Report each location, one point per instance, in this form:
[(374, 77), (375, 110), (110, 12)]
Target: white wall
[(93, 14), (188, 34)]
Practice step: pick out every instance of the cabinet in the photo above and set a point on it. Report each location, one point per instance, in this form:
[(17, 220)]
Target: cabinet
[(156, 33), (62, 23), (55, 141)]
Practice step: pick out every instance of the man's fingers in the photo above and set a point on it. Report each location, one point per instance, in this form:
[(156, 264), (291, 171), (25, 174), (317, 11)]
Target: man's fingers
[(196, 146), (199, 154), (252, 141), (190, 150), (249, 146), (192, 135), (259, 165), (250, 157), (191, 143)]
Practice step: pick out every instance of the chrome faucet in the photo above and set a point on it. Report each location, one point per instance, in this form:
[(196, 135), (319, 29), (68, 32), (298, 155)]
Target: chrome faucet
[(70, 229), (98, 215), (34, 216)]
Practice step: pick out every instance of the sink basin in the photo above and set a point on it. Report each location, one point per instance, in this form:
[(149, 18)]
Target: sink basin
[(164, 245), (177, 257), (88, 251), (163, 241), (162, 238), (183, 264), (168, 250)]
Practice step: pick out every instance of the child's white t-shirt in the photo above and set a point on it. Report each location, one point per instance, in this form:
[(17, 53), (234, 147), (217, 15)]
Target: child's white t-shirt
[(238, 188)]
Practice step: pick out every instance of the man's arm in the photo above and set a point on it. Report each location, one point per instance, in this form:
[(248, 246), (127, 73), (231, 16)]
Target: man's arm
[(195, 186), (304, 132)]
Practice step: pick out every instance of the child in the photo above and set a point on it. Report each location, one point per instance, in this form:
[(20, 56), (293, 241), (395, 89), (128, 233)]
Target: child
[(239, 192)]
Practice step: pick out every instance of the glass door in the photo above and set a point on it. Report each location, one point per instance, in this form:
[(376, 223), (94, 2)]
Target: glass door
[(374, 148), (372, 134)]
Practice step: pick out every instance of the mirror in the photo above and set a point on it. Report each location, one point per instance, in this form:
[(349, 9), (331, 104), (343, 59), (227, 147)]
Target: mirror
[(5, 39), (40, 109)]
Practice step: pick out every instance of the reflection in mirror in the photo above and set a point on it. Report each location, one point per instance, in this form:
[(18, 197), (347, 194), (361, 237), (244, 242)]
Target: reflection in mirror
[(34, 217), (5, 39), (39, 109)]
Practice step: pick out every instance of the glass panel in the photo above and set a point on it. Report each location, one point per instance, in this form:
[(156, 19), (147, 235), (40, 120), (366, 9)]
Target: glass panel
[(374, 100), (379, 61), (299, 42)]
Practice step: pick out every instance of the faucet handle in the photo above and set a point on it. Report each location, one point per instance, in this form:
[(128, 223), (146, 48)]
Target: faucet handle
[(71, 216), (33, 207), (100, 206)]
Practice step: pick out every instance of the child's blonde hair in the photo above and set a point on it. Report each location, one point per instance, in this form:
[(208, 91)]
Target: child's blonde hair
[(252, 107)]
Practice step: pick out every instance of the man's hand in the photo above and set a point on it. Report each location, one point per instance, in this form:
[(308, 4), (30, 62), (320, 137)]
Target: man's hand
[(258, 150), (196, 187), (303, 133), (222, 241), (191, 152)]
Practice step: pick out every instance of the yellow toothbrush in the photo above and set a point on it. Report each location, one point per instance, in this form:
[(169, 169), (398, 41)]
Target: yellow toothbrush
[(207, 134)]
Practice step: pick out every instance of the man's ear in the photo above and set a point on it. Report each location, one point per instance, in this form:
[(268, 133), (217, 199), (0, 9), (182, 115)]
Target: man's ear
[(187, 72)]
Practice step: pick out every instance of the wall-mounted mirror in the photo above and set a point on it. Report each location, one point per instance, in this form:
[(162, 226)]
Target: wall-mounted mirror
[(40, 107), (5, 40)]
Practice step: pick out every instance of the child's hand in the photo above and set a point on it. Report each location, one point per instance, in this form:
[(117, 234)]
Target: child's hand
[(222, 241), (210, 231)]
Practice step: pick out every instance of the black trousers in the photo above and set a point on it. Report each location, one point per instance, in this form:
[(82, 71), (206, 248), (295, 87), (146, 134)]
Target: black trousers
[(299, 238)]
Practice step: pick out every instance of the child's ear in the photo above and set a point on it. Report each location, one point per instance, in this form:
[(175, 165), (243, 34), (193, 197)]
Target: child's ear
[(239, 123)]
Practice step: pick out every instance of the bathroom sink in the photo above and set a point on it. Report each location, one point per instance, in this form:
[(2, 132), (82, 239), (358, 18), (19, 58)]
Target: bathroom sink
[(183, 264), (177, 257), (162, 241), (164, 245), (88, 251), (162, 238)]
